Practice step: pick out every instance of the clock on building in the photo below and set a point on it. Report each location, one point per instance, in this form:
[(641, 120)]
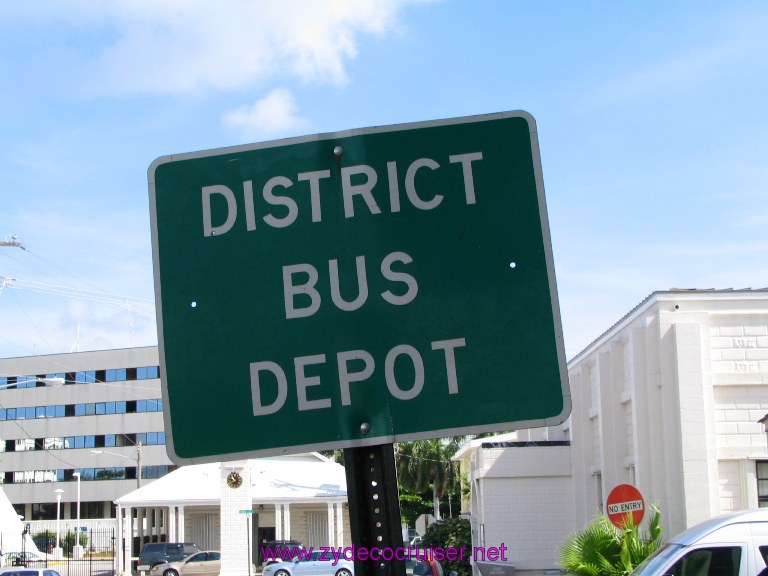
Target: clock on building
[(234, 480)]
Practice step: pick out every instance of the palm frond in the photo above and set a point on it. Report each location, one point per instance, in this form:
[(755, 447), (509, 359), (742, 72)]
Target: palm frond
[(601, 549)]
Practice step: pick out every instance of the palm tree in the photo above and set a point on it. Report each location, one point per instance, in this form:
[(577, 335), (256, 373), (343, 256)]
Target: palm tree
[(601, 549), (426, 464)]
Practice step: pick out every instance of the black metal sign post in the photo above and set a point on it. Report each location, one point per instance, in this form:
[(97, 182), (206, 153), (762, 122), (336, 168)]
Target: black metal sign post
[(374, 510)]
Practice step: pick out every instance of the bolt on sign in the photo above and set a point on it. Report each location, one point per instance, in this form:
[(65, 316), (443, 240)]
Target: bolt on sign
[(356, 288)]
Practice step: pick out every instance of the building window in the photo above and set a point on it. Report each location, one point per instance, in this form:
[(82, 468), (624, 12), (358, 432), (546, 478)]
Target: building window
[(94, 510), (66, 475), (44, 511), (86, 377), (762, 483), (147, 372), (115, 375), (27, 381), (152, 472), (100, 441), (82, 377), (99, 408)]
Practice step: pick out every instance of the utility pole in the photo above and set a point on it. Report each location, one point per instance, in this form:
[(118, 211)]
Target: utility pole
[(13, 242)]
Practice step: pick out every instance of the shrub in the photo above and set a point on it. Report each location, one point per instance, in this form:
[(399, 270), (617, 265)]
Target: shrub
[(451, 533), (601, 549)]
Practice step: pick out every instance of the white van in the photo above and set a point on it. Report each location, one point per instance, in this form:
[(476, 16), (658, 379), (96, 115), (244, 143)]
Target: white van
[(735, 544)]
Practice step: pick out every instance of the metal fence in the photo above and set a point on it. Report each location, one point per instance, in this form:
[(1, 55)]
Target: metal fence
[(95, 555)]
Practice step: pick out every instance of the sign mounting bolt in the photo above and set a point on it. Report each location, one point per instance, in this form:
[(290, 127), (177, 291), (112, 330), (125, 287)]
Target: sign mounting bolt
[(365, 428), (338, 151)]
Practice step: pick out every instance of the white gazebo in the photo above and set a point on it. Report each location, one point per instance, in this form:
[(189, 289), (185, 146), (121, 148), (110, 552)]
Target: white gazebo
[(301, 497)]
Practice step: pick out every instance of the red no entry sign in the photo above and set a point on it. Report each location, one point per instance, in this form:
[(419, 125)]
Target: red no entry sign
[(624, 500)]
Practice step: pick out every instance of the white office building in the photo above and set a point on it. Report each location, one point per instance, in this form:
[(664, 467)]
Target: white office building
[(669, 399), (83, 438), (83, 423)]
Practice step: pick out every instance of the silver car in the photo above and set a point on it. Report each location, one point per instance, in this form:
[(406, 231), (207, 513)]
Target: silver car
[(206, 563), (318, 563)]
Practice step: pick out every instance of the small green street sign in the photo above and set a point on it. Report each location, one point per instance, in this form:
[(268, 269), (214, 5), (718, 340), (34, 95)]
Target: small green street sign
[(356, 288), (247, 511)]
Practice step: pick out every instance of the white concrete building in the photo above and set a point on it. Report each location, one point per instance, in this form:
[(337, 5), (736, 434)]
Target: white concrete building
[(521, 497), (669, 399), (108, 402)]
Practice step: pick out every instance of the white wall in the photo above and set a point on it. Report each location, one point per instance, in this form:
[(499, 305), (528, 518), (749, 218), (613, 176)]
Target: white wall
[(672, 396), (526, 502)]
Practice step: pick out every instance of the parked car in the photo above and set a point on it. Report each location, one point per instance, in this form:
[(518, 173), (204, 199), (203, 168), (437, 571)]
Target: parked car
[(318, 563), (206, 563), (21, 571), (729, 545), (415, 542), (44, 543), (409, 535), (273, 551), (163, 552)]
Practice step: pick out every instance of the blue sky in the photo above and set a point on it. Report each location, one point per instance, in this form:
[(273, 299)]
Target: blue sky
[(652, 123)]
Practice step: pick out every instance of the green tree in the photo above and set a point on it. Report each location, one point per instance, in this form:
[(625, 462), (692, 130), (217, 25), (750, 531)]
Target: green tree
[(426, 464), (453, 533), (412, 506), (601, 549), (336, 455)]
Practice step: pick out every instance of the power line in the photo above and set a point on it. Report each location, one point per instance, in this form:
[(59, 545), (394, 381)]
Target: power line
[(136, 305)]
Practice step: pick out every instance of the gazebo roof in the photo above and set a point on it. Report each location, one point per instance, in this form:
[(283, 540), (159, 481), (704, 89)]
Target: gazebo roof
[(281, 479)]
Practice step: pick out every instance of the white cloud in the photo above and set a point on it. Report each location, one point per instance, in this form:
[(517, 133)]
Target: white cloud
[(186, 46), (274, 113)]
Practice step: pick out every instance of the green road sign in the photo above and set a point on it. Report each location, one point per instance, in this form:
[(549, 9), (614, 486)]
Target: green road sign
[(356, 288)]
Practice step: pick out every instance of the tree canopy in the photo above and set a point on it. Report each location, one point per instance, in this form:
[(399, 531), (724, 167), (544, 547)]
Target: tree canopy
[(427, 465)]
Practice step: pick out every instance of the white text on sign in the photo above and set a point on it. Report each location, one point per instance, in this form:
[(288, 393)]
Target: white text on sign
[(356, 181), (277, 207), (310, 275), (345, 363)]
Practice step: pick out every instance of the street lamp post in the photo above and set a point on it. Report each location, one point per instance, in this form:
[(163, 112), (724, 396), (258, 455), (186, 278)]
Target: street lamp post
[(57, 551), (138, 465), (77, 551), (137, 459)]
